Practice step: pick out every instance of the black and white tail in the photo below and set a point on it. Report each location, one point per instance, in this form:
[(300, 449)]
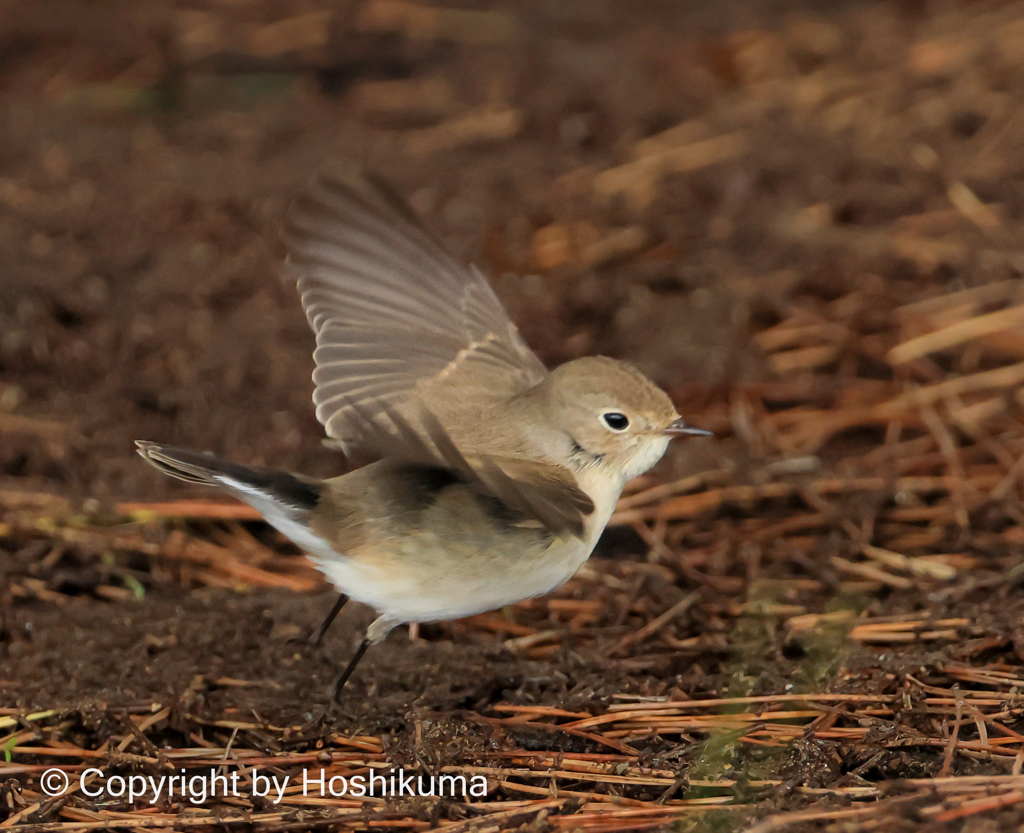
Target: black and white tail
[(277, 494)]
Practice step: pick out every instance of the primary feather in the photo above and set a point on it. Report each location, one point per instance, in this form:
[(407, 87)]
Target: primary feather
[(394, 313)]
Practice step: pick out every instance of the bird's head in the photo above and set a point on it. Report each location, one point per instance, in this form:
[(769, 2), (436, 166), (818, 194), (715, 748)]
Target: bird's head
[(612, 414)]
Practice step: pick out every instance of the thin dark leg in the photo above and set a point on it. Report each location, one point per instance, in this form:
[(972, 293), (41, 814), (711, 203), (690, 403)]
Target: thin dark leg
[(338, 686), (338, 605)]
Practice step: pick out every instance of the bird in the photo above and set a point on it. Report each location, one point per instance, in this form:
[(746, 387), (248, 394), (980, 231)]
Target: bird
[(483, 479)]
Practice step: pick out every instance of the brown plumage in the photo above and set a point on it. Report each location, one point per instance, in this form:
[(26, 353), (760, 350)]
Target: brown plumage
[(492, 478)]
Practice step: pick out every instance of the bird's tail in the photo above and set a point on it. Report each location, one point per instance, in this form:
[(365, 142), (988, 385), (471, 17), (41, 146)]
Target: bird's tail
[(261, 488)]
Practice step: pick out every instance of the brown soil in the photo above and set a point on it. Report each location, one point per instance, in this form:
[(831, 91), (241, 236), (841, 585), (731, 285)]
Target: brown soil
[(837, 164)]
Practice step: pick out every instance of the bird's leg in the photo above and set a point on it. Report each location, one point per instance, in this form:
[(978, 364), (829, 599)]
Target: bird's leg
[(338, 605), (352, 663), (375, 633)]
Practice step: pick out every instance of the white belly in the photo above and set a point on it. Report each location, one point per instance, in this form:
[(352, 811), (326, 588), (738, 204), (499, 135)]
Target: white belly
[(423, 578), (424, 594)]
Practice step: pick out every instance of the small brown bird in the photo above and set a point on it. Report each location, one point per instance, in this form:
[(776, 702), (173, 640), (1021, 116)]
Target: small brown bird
[(492, 478)]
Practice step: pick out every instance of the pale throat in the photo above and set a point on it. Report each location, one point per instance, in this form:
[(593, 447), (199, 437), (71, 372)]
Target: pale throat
[(604, 467), (603, 481), (649, 453)]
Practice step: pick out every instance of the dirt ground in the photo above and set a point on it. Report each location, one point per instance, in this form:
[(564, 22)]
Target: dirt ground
[(802, 218)]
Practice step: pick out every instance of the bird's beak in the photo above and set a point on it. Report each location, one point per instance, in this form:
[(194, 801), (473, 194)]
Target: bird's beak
[(677, 428)]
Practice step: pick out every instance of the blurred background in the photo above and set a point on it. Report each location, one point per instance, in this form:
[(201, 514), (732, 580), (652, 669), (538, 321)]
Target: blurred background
[(802, 218), (659, 182)]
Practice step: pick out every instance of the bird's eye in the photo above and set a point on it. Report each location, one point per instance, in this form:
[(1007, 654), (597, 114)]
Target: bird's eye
[(615, 421)]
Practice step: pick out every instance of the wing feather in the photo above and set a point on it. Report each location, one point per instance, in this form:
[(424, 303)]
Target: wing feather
[(394, 313), (392, 310), (542, 491)]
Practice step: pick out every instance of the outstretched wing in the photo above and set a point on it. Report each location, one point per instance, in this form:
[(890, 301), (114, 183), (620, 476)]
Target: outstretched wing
[(394, 313)]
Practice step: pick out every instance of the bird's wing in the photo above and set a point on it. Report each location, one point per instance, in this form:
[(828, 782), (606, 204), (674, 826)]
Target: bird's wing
[(543, 492), (393, 311)]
